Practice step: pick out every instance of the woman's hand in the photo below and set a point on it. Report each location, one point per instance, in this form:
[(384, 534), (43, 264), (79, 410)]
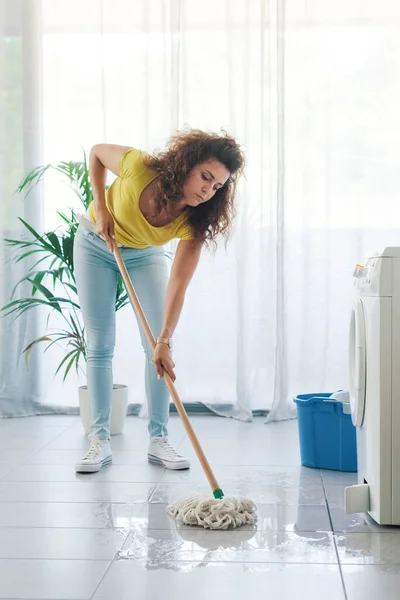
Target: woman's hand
[(105, 226), (163, 360)]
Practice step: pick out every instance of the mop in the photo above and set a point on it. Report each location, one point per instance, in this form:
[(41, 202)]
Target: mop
[(218, 512)]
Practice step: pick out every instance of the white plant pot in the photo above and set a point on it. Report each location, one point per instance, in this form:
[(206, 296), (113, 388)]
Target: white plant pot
[(119, 406)]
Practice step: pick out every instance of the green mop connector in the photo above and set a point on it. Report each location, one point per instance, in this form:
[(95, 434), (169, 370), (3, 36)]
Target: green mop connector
[(218, 494)]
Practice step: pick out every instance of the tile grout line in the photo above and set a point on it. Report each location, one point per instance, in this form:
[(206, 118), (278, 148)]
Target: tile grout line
[(46, 444), (184, 560), (102, 578), (111, 564), (24, 461), (334, 538), (7, 473)]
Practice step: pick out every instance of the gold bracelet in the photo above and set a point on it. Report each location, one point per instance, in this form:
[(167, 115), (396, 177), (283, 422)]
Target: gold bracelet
[(167, 341)]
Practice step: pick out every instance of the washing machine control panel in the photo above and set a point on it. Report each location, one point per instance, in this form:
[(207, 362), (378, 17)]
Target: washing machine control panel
[(373, 278), (361, 272)]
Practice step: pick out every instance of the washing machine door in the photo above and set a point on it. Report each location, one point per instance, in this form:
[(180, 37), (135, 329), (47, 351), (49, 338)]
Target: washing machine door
[(357, 363)]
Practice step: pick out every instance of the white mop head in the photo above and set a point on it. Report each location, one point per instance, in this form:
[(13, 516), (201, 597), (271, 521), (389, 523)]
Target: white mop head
[(214, 514)]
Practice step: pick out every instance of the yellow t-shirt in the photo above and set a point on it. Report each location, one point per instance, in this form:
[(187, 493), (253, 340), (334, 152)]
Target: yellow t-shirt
[(122, 201)]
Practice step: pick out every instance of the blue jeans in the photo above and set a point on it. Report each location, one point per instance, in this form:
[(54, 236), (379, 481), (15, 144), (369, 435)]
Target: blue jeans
[(96, 274)]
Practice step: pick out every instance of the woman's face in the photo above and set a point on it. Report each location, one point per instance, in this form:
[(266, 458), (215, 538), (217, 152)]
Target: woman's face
[(203, 181)]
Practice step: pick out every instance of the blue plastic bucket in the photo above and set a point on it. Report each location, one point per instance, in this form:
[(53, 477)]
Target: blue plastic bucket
[(326, 432)]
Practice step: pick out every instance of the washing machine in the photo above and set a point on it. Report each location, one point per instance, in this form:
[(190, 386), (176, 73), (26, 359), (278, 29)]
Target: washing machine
[(375, 386)]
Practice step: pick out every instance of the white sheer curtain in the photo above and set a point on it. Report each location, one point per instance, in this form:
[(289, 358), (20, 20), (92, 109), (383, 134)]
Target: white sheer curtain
[(21, 391), (311, 89)]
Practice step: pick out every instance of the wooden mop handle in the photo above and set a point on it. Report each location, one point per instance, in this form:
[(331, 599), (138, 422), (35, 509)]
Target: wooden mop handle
[(168, 381)]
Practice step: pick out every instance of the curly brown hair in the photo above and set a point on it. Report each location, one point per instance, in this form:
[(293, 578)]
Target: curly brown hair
[(185, 150)]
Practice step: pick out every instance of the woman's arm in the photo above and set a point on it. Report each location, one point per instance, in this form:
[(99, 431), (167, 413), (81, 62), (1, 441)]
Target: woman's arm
[(185, 262), (101, 158)]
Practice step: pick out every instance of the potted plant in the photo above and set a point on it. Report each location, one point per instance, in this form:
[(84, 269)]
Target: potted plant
[(53, 286)]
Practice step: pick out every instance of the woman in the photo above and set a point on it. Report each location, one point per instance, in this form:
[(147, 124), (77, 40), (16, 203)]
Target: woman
[(186, 192)]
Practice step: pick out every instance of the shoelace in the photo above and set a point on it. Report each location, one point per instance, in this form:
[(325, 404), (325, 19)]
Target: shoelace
[(169, 450), (94, 449)]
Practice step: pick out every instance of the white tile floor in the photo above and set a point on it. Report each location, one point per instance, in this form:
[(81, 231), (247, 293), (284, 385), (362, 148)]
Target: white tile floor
[(107, 536)]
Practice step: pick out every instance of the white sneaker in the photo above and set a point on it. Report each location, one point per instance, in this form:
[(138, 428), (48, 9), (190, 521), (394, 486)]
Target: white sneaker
[(99, 455), (162, 453)]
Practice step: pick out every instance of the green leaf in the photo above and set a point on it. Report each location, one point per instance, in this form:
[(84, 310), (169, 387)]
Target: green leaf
[(36, 235), (71, 362), (43, 289), (37, 341), (23, 243), (66, 357), (56, 274), (34, 177), (28, 349), (74, 325), (25, 304), (69, 303), (72, 287), (37, 262), (29, 254), (53, 262), (68, 249), (38, 280), (54, 241), (64, 217), (56, 340)]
